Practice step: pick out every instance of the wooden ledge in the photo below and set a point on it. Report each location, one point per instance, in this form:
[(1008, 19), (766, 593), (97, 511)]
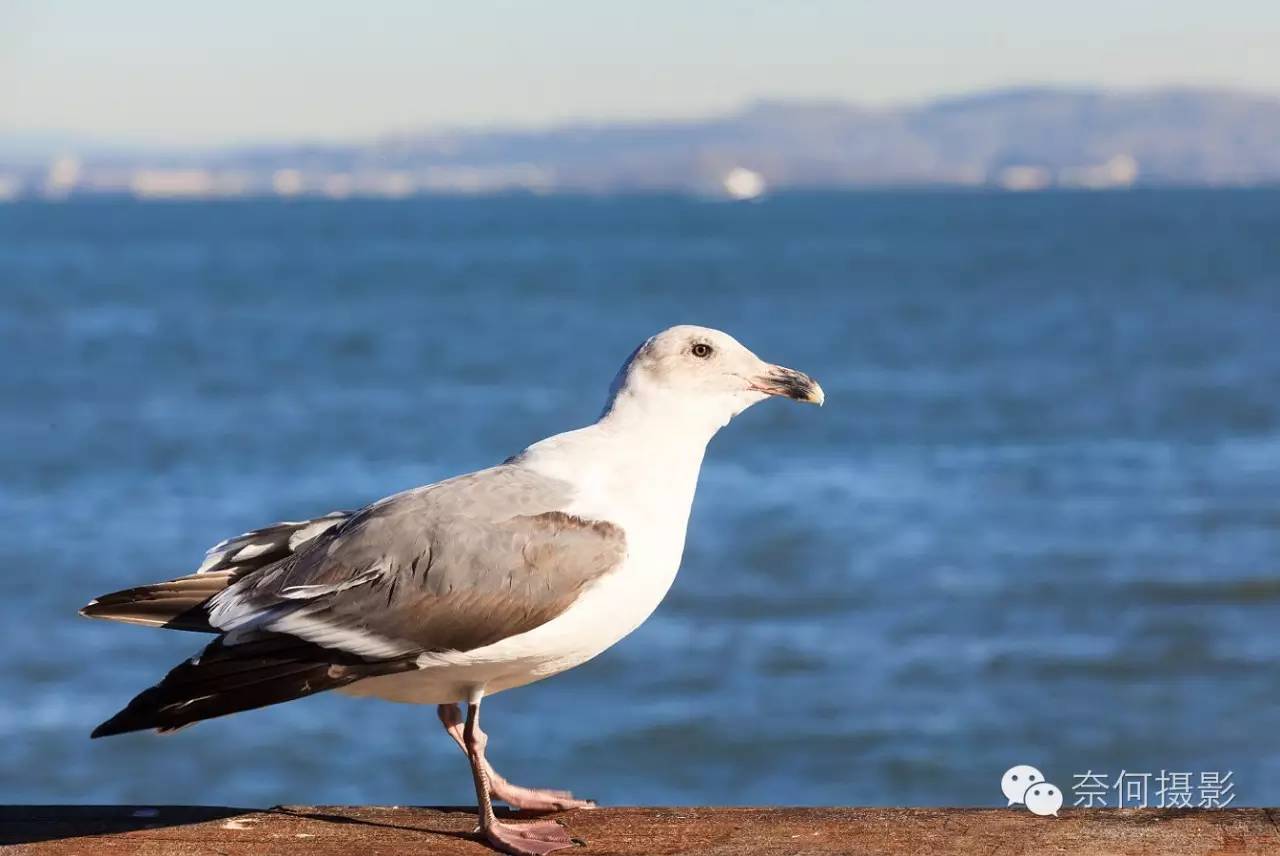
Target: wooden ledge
[(368, 831)]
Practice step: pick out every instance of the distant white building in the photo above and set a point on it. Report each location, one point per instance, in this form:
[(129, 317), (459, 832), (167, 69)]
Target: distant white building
[(1024, 177), (338, 185), (743, 183), (193, 183), (62, 177), (171, 183), (1118, 171), (287, 182)]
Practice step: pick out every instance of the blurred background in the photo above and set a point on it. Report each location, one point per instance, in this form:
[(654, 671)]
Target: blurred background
[(258, 263)]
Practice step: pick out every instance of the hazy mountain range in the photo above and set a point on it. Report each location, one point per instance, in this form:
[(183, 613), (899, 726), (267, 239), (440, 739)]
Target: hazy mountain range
[(1016, 138)]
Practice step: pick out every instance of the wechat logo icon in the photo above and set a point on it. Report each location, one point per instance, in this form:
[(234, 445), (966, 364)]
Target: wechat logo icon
[(1026, 785)]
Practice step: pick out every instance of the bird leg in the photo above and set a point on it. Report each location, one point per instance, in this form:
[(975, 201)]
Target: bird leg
[(518, 839), (532, 799)]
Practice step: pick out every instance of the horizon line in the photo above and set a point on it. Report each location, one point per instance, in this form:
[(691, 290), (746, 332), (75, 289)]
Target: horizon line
[(87, 139)]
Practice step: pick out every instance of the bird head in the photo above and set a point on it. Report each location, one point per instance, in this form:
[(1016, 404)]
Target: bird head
[(703, 373)]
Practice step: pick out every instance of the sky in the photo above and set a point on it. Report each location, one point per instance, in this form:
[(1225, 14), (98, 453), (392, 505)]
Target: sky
[(140, 71)]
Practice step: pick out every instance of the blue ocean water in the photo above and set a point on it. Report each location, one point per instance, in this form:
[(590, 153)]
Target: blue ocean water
[(1038, 520)]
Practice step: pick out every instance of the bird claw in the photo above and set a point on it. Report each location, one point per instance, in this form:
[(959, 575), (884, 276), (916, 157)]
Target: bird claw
[(528, 839)]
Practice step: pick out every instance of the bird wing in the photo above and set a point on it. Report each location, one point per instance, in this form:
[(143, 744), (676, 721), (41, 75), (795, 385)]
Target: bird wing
[(449, 567)]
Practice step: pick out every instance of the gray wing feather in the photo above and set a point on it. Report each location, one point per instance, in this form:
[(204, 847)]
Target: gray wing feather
[(262, 547), (452, 566)]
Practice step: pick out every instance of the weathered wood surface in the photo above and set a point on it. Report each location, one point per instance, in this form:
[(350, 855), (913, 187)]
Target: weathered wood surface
[(369, 831)]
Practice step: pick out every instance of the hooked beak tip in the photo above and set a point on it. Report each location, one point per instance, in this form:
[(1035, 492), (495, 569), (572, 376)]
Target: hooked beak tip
[(792, 384)]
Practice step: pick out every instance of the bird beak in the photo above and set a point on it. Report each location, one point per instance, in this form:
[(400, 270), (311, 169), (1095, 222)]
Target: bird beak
[(777, 380)]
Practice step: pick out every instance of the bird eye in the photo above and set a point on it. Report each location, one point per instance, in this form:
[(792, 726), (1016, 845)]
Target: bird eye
[(701, 350)]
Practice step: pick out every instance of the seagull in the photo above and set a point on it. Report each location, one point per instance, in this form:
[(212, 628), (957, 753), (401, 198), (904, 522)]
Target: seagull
[(457, 590)]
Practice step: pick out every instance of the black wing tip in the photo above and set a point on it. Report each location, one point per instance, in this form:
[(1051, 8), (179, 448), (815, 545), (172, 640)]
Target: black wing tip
[(229, 679), (128, 721), (112, 727), (133, 719), (142, 712)]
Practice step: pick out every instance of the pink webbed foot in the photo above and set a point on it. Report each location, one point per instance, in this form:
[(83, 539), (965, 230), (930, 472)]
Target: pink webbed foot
[(527, 839), (535, 799)]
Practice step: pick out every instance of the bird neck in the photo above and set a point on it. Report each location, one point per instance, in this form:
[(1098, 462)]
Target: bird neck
[(679, 423), (639, 462)]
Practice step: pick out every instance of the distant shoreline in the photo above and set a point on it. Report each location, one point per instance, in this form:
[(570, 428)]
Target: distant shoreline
[(1017, 140), (674, 195)]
